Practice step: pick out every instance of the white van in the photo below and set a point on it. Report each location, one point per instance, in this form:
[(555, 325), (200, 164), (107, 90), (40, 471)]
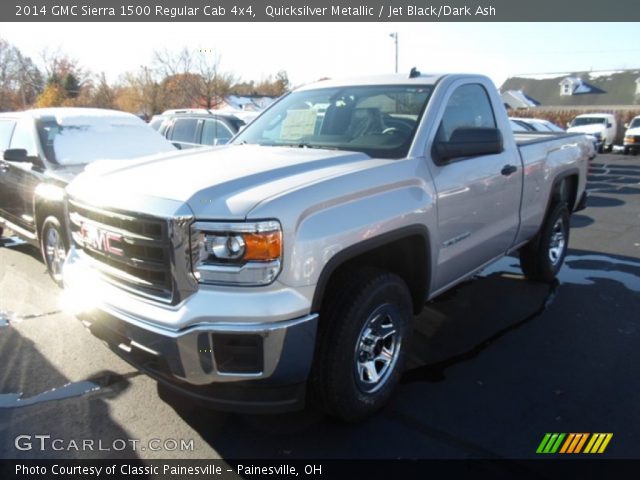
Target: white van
[(603, 126), (632, 136)]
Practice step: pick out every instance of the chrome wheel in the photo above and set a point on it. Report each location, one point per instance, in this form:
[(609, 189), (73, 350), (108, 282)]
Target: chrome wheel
[(54, 251), (558, 242), (377, 349)]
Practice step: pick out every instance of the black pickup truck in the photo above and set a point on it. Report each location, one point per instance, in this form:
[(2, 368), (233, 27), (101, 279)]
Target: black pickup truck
[(42, 150)]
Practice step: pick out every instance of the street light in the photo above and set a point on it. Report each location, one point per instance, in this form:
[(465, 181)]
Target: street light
[(394, 35)]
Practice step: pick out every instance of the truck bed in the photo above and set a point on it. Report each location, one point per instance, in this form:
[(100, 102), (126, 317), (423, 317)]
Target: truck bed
[(527, 138)]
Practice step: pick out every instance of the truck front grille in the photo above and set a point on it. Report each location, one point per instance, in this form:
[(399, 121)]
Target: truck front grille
[(128, 249)]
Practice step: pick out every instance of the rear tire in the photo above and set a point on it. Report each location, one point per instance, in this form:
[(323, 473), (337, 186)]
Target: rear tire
[(362, 343), (542, 258), (53, 245)]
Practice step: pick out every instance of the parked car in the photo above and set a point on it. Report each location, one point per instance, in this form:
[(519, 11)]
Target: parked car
[(632, 136), (538, 124), (188, 130), (290, 262), (42, 150), (157, 120), (603, 126), (519, 127)]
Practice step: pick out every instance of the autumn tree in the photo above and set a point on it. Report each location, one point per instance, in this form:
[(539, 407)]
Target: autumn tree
[(193, 78), (140, 93), (52, 96), (67, 73), (274, 87)]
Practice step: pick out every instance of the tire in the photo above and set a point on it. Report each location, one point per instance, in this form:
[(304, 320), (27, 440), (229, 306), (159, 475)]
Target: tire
[(362, 343), (53, 245), (626, 151), (601, 148), (542, 258)]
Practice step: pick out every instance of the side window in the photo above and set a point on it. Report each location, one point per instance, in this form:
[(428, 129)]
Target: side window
[(6, 129), (469, 106), (214, 132), (23, 137), (184, 130)]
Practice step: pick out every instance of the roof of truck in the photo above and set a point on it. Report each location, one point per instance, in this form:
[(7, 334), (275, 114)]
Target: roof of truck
[(393, 79)]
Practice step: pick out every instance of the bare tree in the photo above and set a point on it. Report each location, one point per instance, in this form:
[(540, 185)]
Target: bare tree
[(211, 84), (20, 79), (192, 78), (8, 75), (140, 93)]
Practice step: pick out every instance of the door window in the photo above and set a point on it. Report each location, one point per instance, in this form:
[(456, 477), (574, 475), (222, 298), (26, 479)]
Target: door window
[(468, 106), (23, 137), (214, 132), (184, 130), (6, 129)]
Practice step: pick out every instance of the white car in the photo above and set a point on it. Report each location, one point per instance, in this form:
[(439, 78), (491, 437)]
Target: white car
[(632, 136), (603, 126)]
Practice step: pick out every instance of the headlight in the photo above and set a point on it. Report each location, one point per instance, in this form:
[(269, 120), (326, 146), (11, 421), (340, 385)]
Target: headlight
[(236, 253)]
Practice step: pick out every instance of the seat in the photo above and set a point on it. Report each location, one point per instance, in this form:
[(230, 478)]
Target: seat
[(365, 121)]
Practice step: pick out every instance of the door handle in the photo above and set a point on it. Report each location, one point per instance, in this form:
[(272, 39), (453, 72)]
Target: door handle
[(508, 170)]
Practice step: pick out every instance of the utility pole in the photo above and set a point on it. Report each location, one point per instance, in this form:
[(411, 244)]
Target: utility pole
[(394, 35)]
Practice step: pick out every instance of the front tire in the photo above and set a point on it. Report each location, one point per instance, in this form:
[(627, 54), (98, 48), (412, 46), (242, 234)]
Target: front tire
[(362, 343), (542, 258), (53, 246)]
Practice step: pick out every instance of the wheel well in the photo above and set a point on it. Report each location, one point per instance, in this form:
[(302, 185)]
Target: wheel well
[(407, 257), (565, 190), (45, 209)]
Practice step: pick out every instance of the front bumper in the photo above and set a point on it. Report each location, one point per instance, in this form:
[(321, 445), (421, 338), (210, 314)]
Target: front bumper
[(250, 351), (271, 369)]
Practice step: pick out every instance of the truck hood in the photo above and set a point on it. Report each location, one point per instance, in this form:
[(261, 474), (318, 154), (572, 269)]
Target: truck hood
[(590, 129), (632, 131), (65, 174), (222, 183)]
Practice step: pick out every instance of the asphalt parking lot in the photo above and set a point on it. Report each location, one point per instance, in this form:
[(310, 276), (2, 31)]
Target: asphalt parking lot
[(496, 363)]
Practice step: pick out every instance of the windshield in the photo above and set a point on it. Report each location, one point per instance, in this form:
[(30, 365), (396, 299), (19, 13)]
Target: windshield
[(377, 120), (103, 140), (635, 123), (588, 121)]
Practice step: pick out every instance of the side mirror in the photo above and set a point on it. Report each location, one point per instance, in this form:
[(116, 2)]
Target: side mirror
[(568, 124), (626, 125), (469, 142), (177, 145), (16, 155), (608, 125)]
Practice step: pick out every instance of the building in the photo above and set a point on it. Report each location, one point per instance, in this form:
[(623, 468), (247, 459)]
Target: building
[(574, 89)]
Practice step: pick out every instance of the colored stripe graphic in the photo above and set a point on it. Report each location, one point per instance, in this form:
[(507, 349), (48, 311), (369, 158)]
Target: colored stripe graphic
[(550, 443), (543, 443), (598, 442), (573, 443)]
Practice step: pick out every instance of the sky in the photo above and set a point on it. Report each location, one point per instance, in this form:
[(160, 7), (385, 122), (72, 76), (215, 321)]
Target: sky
[(309, 51)]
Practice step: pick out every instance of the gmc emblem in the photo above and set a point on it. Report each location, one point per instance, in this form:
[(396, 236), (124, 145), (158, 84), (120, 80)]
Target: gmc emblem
[(101, 240)]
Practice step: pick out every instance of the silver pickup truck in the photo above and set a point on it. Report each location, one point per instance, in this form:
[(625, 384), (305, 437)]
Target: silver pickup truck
[(290, 262)]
